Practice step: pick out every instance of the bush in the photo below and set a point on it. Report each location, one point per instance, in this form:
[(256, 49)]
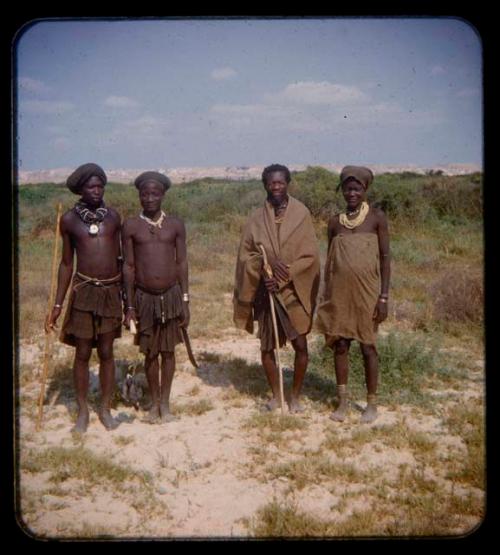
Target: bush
[(458, 296)]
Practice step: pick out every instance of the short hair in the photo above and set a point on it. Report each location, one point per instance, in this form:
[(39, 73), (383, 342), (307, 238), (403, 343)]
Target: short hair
[(276, 168)]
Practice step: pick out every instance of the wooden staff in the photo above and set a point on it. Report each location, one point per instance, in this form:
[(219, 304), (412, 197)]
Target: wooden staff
[(269, 272), (49, 335)]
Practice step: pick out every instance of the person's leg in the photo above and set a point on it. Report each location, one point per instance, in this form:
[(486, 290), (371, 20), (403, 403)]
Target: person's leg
[(341, 362), (106, 378), (151, 369), (370, 359), (167, 376), (81, 382), (300, 367), (269, 364)]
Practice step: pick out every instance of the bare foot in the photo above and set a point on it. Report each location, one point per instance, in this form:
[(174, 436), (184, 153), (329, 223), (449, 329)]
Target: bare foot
[(166, 415), (107, 420), (153, 416), (273, 404), (341, 412), (369, 414), (295, 406), (82, 422)]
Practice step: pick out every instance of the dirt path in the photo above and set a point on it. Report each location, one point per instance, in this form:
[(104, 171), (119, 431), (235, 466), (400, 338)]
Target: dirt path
[(208, 473)]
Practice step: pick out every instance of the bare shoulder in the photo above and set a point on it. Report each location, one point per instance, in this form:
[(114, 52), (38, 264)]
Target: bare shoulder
[(334, 219), (68, 219), (130, 224), (379, 214), (114, 214), (175, 222)]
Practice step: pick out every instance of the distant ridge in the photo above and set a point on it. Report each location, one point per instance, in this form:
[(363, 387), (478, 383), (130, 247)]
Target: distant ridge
[(185, 174)]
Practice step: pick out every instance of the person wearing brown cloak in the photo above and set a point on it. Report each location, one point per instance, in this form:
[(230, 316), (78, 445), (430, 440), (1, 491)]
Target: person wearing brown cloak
[(357, 274), (93, 318), (283, 226), (156, 285)]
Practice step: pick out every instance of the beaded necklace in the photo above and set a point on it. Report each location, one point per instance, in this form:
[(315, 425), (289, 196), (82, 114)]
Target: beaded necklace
[(153, 224), (91, 217), (358, 219)]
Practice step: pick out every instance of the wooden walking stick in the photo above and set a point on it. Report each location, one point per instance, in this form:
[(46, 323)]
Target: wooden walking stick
[(269, 272), (49, 335)]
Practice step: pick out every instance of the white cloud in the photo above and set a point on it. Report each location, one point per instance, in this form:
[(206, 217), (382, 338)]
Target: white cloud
[(46, 106), (314, 92), (222, 73), (437, 70), (33, 86), (143, 131), (121, 102), (300, 118)]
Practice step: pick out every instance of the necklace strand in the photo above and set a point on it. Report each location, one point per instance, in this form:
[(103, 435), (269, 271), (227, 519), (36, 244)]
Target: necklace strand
[(358, 220), (156, 223)]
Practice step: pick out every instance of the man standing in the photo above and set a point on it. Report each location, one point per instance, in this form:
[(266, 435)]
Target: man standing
[(283, 226), (94, 314), (156, 285), (357, 274)]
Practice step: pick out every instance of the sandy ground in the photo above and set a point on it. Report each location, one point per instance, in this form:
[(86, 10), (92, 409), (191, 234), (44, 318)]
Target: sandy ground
[(209, 473)]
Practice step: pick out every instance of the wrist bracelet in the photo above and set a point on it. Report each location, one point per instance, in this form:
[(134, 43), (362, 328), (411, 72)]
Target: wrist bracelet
[(57, 306), (382, 299), (130, 307)]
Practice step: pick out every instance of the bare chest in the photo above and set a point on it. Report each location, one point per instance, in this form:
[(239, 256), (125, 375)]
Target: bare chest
[(146, 234), (85, 233)]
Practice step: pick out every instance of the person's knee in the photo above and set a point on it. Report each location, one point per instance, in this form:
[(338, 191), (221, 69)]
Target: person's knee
[(82, 353), (300, 345), (368, 351), (341, 347)]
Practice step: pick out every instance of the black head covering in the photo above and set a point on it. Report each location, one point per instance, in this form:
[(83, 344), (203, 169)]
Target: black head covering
[(359, 173), (157, 177), (82, 174)]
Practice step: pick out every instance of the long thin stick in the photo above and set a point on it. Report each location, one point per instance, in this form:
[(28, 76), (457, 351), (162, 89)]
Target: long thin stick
[(269, 273), (49, 335)]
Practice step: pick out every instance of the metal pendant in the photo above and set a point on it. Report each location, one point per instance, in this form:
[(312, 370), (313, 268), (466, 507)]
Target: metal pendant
[(94, 229)]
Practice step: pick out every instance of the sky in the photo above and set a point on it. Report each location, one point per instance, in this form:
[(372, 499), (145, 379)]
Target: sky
[(248, 92)]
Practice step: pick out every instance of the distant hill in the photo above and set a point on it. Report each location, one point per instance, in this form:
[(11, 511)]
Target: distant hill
[(183, 175)]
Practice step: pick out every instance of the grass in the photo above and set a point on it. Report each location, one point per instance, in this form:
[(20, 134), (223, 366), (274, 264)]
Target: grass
[(195, 408), (81, 464), (435, 222), (247, 379), (436, 303), (314, 468), (406, 364)]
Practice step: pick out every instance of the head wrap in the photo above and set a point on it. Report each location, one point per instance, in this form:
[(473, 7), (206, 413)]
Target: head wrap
[(157, 177), (82, 174), (362, 175)]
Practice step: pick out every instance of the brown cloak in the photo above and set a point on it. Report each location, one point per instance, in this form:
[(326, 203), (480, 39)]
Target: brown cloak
[(352, 287), (296, 245)]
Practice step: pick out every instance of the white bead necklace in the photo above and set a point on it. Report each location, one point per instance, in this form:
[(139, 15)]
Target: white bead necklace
[(358, 220), (151, 222)]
